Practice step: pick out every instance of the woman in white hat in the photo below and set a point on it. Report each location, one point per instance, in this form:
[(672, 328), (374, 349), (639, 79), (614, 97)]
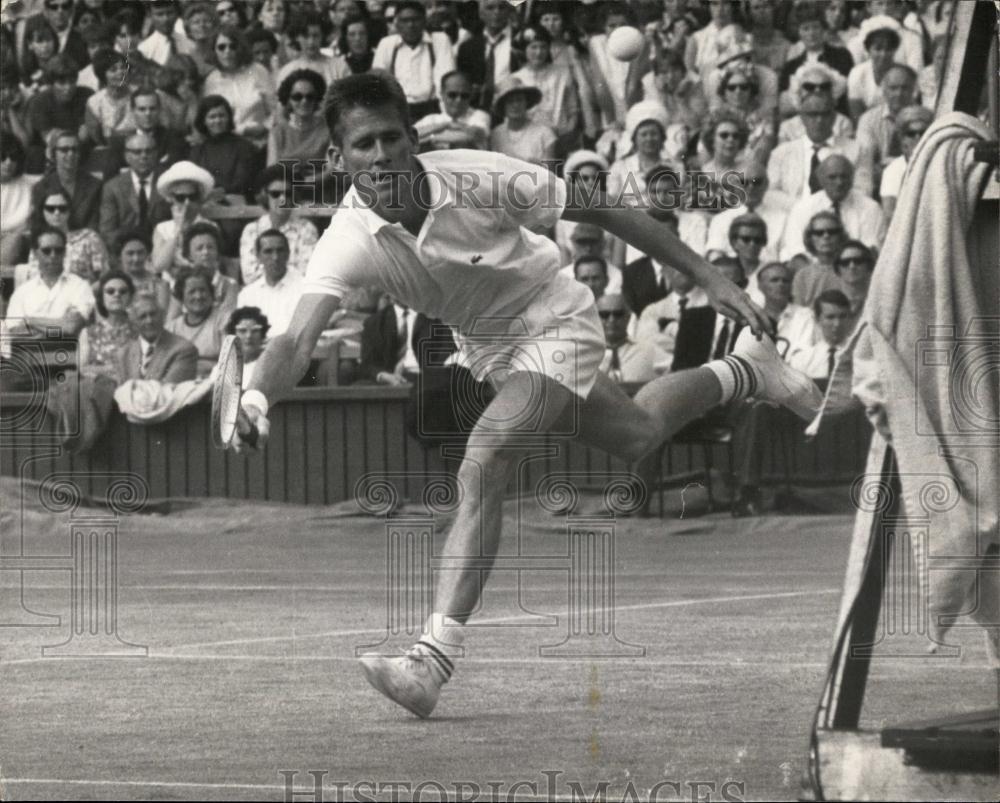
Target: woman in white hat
[(518, 136), (881, 36), (646, 133), (186, 186), (590, 170)]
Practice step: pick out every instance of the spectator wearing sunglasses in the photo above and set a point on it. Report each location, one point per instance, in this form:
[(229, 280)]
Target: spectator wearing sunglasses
[(625, 360), (822, 239), (808, 80), (66, 175), (62, 104), (854, 264), (187, 187), (739, 93), (748, 236), (752, 193), (86, 255), (112, 328), (911, 123), (275, 195), (245, 84), (300, 133), (459, 125)]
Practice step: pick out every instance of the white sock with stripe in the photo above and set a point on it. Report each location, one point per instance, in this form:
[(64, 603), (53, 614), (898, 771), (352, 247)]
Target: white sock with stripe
[(736, 376), (441, 642)]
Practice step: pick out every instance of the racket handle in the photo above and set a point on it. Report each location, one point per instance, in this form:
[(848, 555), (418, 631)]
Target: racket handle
[(247, 429)]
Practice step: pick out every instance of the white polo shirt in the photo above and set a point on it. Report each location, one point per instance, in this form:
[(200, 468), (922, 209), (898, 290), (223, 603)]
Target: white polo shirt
[(473, 257), (277, 303)]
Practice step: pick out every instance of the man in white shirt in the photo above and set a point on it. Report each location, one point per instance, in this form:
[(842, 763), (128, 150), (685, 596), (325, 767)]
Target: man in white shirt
[(772, 207), (451, 233), (658, 322), (588, 241), (861, 215), (793, 166), (878, 138), (415, 58), (624, 360), (459, 125), (748, 236), (795, 326), (834, 323), (160, 45), (278, 291), (52, 305), (489, 57)]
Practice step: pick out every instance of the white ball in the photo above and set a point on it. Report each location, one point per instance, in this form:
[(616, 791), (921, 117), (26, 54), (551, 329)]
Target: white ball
[(625, 43)]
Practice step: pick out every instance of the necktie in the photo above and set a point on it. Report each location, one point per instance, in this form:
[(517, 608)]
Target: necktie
[(682, 302), (814, 185), (143, 202), (722, 344), (831, 360), (486, 96), (404, 333), (146, 357), (836, 208), (615, 368)]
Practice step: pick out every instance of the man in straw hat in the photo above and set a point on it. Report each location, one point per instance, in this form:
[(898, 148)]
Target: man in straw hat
[(449, 233)]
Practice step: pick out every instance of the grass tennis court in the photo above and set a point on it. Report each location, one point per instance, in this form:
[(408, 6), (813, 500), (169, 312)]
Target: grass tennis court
[(252, 612)]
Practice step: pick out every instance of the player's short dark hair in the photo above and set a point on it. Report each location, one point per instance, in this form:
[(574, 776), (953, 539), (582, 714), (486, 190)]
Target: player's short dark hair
[(834, 297), (311, 76), (366, 90), (268, 233), (247, 314), (197, 229), (595, 258), (180, 283)]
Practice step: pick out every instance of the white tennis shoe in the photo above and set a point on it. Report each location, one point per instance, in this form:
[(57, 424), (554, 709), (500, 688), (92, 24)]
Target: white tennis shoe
[(405, 679), (777, 381)]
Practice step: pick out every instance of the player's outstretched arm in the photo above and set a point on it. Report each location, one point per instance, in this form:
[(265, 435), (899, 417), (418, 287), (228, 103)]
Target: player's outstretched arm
[(286, 358), (650, 237)]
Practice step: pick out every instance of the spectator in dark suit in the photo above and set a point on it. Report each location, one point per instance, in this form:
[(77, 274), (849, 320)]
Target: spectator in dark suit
[(68, 178), (147, 112), (703, 334), (62, 105), (645, 281), (391, 345), (155, 353), (493, 47), (810, 23), (130, 200), (59, 14)]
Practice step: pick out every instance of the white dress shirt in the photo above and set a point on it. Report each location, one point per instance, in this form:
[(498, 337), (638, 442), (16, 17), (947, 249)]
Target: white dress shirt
[(277, 302), (419, 69), (614, 278), (789, 164), (797, 326), (862, 218), (814, 360), (773, 209), (35, 299), (636, 362), (405, 318)]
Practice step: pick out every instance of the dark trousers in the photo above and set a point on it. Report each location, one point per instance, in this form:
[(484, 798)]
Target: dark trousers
[(422, 109)]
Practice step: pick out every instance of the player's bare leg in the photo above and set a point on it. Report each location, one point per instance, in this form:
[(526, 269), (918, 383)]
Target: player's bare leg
[(491, 458)]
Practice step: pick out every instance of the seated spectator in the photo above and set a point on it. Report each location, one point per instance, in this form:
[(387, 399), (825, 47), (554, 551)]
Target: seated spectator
[(356, 45), (263, 47), (834, 323), (202, 322), (625, 360), (15, 201), (724, 138), (107, 111), (112, 328), (202, 248), (14, 116), (911, 123), (62, 106), (159, 45), (860, 215), (822, 240), (643, 279), (588, 240), (156, 353), (559, 107), (666, 198), (589, 171), (231, 159), (130, 199), (770, 47), (747, 238), (391, 348), (740, 95), (659, 320), (592, 271), (275, 195), (246, 85), (646, 132), (459, 125), (187, 187), (299, 132), (569, 52), (338, 14), (86, 254), (810, 79), (492, 47), (231, 14), (54, 300), (517, 135), (794, 326), (737, 56), (127, 29), (146, 116), (814, 44), (67, 176), (854, 264), (881, 37), (752, 186), (911, 33), (609, 74), (181, 96), (678, 91), (132, 251), (704, 45), (306, 33), (251, 326), (40, 45), (416, 58), (272, 17), (793, 167), (200, 22), (278, 290), (878, 140)]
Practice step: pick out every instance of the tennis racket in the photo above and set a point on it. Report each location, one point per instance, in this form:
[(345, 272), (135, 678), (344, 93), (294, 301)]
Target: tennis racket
[(228, 417)]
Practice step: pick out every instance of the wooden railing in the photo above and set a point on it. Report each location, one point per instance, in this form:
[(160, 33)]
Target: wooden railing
[(324, 440)]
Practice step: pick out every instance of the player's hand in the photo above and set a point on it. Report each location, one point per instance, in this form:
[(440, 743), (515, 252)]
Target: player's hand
[(252, 415), (734, 303)]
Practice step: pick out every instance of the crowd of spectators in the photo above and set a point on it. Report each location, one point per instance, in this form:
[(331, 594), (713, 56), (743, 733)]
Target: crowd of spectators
[(771, 136)]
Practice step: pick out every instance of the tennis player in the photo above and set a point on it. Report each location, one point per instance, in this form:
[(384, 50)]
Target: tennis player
[(450, 234)]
